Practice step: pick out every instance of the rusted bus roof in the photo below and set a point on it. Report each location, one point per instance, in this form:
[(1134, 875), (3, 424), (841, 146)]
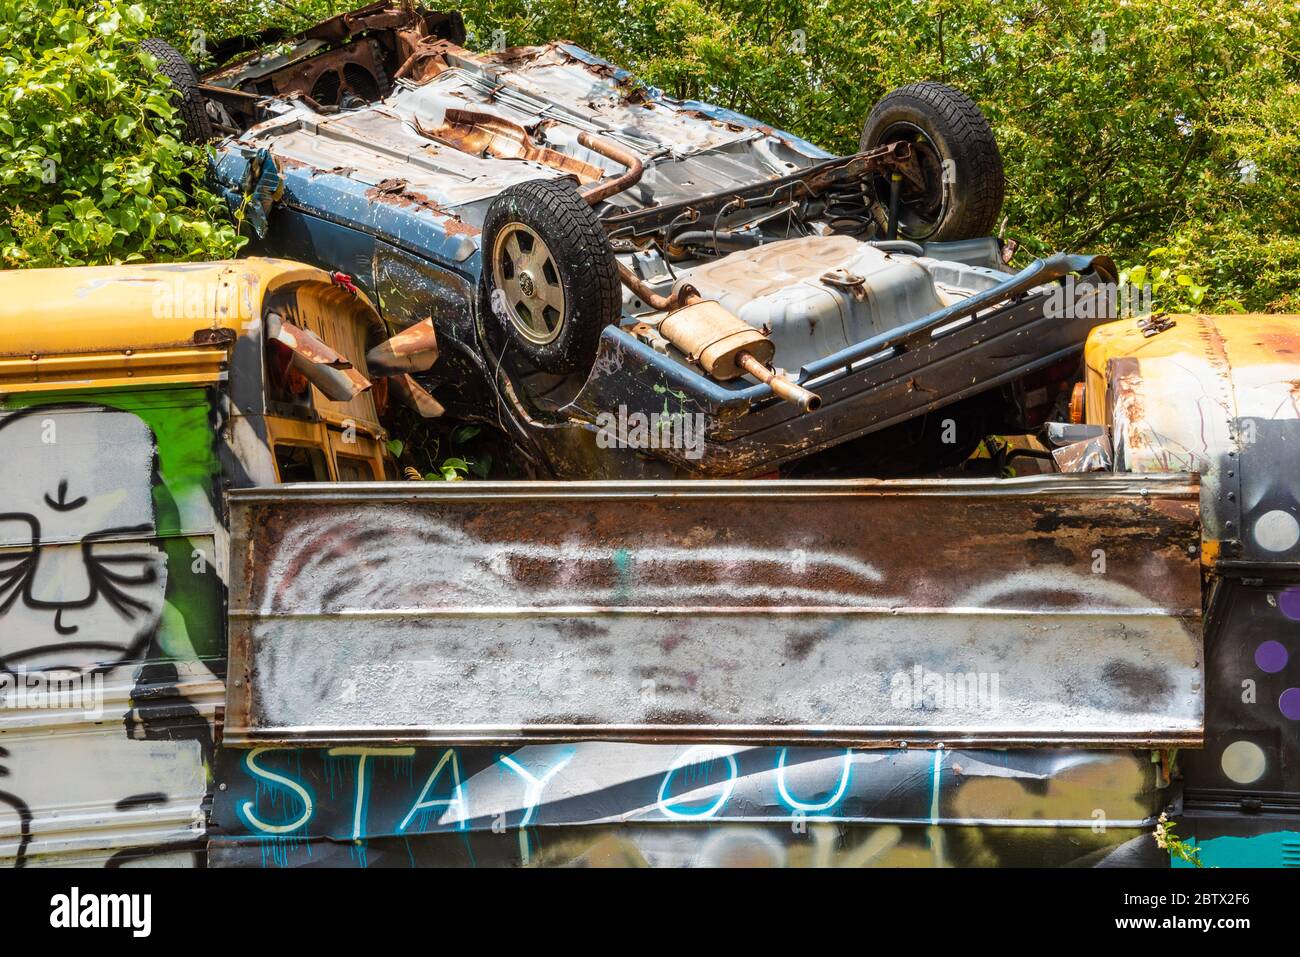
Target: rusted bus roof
[(1175, 392), (1218, 395), (136, 324)]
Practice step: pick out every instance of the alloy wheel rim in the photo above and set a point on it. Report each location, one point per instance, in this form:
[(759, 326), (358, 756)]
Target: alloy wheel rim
[(524, 270)]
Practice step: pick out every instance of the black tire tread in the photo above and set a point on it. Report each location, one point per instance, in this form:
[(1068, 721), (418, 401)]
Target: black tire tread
[(971, 138), (597, 295), (195, 125)]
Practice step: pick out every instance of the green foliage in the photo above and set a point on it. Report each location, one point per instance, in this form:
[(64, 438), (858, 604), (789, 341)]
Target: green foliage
[(91, 166), (436, 451), (1168, 840), (1176, 283), (452, 470)]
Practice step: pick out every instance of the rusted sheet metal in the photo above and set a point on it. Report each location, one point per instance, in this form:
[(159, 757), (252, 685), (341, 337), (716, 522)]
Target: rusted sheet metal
[(414, 349), (1052, 610), (1236, 420), (1223, 367), (318, 363), (485, 134), (1089, 455), (304, 67), (415, 396)]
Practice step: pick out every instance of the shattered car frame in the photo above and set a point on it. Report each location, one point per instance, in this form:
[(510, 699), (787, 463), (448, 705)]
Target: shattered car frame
[(631, 285)]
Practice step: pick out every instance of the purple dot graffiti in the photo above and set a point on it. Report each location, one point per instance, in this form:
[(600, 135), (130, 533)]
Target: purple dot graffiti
[(1288, 602), (1271, 657), (1289, 702)]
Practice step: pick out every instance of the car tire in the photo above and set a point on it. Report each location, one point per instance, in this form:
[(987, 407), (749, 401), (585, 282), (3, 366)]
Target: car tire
[(551, 277), (188, 98), (948, 131)]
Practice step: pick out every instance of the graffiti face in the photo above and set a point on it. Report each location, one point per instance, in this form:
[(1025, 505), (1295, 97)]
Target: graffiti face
[(86, 521), (81, 587)]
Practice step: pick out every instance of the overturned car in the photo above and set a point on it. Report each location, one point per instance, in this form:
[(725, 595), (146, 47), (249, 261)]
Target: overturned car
[(635, 286)]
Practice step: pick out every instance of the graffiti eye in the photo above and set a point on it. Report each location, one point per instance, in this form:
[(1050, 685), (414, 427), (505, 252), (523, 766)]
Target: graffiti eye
[(19, 537), (60, 501), (118, 571), (124, 568)]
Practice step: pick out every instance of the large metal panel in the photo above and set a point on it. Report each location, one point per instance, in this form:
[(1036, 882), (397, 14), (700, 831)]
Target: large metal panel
[(1052, 610), (111, 633)]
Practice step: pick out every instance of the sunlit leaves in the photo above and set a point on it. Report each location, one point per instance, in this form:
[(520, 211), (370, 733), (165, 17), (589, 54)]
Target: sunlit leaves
[(91, 166)]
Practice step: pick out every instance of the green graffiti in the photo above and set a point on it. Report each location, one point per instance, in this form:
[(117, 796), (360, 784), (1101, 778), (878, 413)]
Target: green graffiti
[(623, 566)]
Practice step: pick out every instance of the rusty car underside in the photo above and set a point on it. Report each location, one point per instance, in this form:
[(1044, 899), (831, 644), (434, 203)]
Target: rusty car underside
[(764, 293)]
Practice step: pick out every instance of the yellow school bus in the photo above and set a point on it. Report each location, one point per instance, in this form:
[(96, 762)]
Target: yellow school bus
[(131, 399)]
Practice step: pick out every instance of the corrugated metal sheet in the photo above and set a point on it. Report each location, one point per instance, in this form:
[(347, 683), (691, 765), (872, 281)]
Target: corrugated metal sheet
[(109, 586), (1053, 610), (98, 787)]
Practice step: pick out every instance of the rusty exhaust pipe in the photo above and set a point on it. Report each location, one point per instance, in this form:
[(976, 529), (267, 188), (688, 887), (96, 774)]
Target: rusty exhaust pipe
[(724, 346), (594, 193), (682, 295), (781, 386)]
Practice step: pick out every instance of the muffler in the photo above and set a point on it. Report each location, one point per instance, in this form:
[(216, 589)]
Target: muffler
[(726, 347), (722, 344)]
